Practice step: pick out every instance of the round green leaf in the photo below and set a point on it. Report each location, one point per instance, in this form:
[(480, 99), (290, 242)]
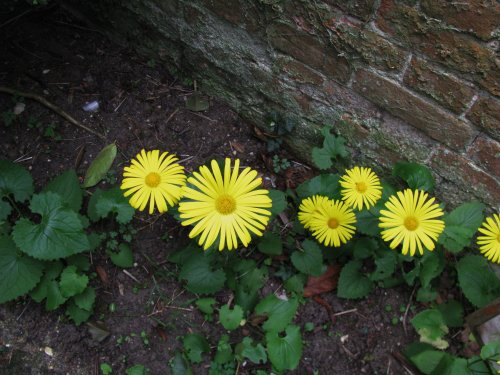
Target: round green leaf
[(72, 283), (479, 284), (195, 345), (5, 210), (124, 257), (270, 244), (352, 283), (279, 312), (415, 175), (86, 299), (15, 180), (324, 184), (68, 188), (18, 272), (77, 314), (200, 276), (108, 202), (54, 296), (247, 349), (285, 352), (59, 234), (279, 201), (100, 165), (310, 260), (230, 319)]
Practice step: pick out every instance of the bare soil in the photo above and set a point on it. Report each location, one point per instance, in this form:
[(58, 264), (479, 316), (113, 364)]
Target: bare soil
[(143, 106)]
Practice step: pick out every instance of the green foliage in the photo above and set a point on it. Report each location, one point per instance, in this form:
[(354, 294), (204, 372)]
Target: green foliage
[(452, 313), (248, 349), (280, 165), (279, 312), (270, 244), (67, 186), (137, 370), (333, 147), (309, 260), (430, 325), (324, 184), (478, 285), (195, 345), (112, 201), (58, 235), (284, 351), (180, 365), (18, 273), (201, 273), (352, 283), (279, 201), (206, 305), (15, 180), (100, 166), (105, 369), (123, 258), (230, 318), (460, 226), (415, 175)]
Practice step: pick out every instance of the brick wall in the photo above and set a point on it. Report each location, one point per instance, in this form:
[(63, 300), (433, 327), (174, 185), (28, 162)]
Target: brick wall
[(413, 80)]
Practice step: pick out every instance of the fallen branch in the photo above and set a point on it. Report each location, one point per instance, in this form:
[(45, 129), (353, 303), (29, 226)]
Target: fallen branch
[(45, 102)]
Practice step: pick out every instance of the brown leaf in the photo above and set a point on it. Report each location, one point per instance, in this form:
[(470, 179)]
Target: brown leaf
[(102, 274), (324, 283), (238, 146)]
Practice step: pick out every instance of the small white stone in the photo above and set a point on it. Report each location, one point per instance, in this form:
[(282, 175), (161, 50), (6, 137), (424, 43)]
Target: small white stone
[(48, 351)]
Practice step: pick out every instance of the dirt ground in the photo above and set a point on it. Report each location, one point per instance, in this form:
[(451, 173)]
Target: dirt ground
[(143, 106)]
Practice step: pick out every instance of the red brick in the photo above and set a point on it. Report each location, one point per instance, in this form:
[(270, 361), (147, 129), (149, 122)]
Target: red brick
[(480, 17), (309, 50), (447, 90), (362, 9), (424, 116), (485, 113), (358, 43), (466, 176), (485, 152), (448, 47), (299, 72)]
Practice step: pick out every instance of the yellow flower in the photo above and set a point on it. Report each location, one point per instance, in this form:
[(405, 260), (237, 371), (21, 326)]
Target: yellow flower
[(155, 178), (361, 187), (489, 244), (411, 218), (332, 224), (228, 206), (308, 207)]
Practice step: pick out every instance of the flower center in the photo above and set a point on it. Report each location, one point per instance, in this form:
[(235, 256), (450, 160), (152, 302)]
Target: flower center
[(225, 204), (153, 179), (333, 223), (361, 187), (411, 223)]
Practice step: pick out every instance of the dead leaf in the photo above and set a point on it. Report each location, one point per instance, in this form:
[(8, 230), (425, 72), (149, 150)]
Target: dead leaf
[(324, 283), (237, 146), (98, 330), (102, 274)]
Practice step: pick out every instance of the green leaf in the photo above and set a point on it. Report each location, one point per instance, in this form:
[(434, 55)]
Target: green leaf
[(112, 201), (247, 349), (52, 271), (491, 351), (424, 356), (100, 166), (352, 283), (206, 305), (426, 294), (77, 314), (453, 313), (432, 265), (285, 352), (230, 318), (250, 279), (15, 180), (333, 147), (367, 221), (123, 258), (18, 273), (324, 184), (195, 345), (105, 369), (5, 210), (460, 226), (385, 266), (479, 284), (72, 283), (364, 247), (270, 244), (59, 234), (54, 296), (68, 188), (80, 261), (200, 276), (295, 284), (224, 352), (180, 365), (136, 370), (86, 299), (279, 312), (310, 260), (197, 103), (431, 327), (279, 201), (415, 175)]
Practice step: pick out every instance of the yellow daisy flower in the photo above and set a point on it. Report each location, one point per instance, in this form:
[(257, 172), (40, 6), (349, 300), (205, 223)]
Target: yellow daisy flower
[(412, 219), (332, 225), (155, 178), (308, 207), (489, 244), (361, 187), (226, 206)]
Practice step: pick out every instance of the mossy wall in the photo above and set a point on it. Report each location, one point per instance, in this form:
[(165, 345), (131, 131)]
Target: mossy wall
[(413, 80)]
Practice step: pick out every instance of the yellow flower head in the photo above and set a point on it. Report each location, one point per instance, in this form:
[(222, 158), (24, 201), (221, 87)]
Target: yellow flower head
[(155, 178), (332, 224), (412, 219), (226, 206), (489, 243), (309, 207), (361, 187)]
